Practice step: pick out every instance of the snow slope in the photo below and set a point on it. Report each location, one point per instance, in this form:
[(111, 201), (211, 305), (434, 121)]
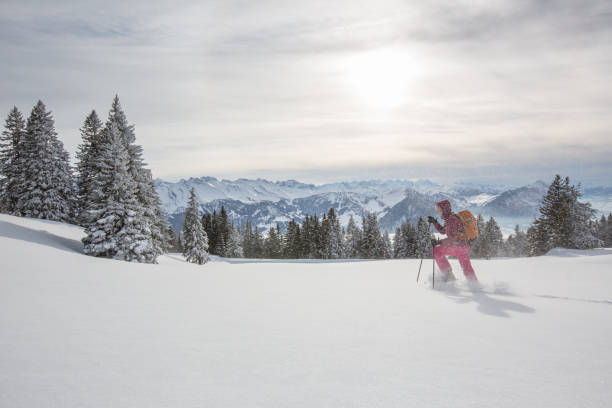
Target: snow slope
[(78, 331)]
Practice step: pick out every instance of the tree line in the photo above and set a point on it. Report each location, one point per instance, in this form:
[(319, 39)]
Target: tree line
[(564, 221), (325, 238), (110, 192)]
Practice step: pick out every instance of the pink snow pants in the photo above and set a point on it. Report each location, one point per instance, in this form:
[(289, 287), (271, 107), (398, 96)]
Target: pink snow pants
[(461, 252)]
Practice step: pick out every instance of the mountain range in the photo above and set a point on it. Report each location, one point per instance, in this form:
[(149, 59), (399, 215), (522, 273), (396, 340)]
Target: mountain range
[(266, 203)]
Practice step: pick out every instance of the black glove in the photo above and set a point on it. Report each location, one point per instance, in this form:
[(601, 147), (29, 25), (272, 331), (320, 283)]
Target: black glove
[(432, 220)]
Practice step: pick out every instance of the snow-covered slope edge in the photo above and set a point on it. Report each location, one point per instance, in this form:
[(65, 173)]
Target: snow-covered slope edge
[(82, 331)]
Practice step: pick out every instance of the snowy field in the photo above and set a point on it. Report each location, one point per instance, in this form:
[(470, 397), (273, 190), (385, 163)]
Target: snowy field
[(77, 331)]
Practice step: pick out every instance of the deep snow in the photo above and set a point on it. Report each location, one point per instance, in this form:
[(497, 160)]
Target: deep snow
[(79, 331)]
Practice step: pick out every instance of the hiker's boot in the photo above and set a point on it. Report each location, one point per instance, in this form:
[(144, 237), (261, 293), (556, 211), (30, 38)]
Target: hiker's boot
[(447, 276)]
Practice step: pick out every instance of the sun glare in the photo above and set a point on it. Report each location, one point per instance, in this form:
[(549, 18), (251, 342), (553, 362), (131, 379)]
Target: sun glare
[(381, 78)]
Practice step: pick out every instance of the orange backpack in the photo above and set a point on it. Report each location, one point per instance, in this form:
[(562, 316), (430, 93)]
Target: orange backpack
[(470, 226)]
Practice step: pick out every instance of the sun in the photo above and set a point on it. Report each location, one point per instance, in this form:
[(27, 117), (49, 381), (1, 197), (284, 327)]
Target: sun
[(381, 78)]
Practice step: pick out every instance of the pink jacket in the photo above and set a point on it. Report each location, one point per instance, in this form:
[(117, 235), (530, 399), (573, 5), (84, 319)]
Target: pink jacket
[(452, 225)]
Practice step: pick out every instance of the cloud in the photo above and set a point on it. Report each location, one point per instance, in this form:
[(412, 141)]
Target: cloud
[(238, 88)]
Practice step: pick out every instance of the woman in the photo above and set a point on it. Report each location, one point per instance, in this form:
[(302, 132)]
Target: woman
[(453, 245)]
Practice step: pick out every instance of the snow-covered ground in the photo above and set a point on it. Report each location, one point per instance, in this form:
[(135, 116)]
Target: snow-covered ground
[(77, 331)]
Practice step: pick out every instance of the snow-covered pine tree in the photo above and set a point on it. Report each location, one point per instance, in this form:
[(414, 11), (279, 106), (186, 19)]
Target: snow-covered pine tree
[(493, 239), (258, 244), (273, 243), (195, 241), (372, 244), (293, 242), (398, 244), (10, 166), (477, 247), (564, 221), (145, 188), (423, 239), (608, 239), (234, 246), (118, 228), (388, 247), (223, 233), (582, 235), (601, 228), (405, 242), (334, 236), (353, 239), (538, 238), (517, 244), (87, 154), (45, 185), (310, 237)]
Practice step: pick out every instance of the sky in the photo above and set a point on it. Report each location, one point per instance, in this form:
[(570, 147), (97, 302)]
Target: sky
[(503, 92)]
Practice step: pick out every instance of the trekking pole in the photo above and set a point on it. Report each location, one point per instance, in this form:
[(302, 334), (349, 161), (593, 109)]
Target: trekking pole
[(422, 257), (433, 263), (421, 264), (433, 271)]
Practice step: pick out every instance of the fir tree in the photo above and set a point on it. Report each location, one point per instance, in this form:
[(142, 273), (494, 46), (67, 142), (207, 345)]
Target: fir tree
[(144, 186), (293, 242), (44, 188), (564, 221), (405, 242), (334, 241), (273, 243), (388, 247), (353, 240), (608, 239), (372, 244), (234, 246), (492, 239), (517, 244), (10, 165), (195, 241), (478, 246), (119, 229), (423, 239), (87, 155)]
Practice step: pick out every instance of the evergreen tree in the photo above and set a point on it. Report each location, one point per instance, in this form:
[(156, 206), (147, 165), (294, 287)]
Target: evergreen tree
[(608, 240), (517, 244), (601, 229), (273, 243), (398, 244), (145, 188), (293, 242), (195, 241), (538, 238), (564, 221), (352, 242), (234, 246), (372, 245), (222, 230), (258, 244), (492, 239), (10, 165), (207, 224), (424, 239), (405, 242), (388, 247), (334, 239), (119, 230), (44, 188), (478, 246), (87, 155)]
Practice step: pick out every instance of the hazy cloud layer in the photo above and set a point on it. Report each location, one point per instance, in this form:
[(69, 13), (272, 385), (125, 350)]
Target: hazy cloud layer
[(484, 90)]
